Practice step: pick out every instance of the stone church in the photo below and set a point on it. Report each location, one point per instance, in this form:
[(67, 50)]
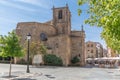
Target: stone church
[(60, 40)]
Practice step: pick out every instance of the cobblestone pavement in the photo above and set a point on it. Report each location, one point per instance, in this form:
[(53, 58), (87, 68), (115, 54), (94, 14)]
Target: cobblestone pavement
[(58, 73)]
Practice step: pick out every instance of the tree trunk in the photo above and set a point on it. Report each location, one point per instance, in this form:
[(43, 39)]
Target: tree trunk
[(10, 67)]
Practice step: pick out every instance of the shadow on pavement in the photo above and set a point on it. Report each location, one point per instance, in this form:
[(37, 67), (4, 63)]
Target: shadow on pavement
[(49, 76), (12, 76), (52, 67), (23, 79)]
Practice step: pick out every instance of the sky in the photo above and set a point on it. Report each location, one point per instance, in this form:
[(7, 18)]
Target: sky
[(14, 11)]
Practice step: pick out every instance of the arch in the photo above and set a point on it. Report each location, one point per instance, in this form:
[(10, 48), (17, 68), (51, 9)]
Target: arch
[(60, 14)]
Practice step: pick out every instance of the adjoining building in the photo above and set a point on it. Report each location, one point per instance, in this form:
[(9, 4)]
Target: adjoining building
[(93, 49), (60, 41), (112, 53), (105, 53)]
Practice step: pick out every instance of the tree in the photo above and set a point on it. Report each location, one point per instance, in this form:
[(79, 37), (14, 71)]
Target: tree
[(33, 49), (43, 49), (105, 14), (37, 48), (10, 47)]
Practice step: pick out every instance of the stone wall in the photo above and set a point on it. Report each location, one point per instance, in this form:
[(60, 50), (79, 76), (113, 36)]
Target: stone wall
[(35, 29), (60, 46), (77, 45)]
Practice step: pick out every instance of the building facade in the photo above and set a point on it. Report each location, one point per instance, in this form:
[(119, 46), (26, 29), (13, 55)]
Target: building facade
[(93, 49), (105, 53), (112, 53), (60, 40)]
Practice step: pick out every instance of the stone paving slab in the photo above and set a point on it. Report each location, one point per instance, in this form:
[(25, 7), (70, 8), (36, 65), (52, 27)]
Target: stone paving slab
[(20, 76), (59, 73)]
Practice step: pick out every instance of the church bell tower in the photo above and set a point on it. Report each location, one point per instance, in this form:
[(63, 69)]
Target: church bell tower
[(62, 20)]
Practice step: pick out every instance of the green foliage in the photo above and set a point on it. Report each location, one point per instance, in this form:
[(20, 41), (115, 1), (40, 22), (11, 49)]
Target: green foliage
[(105, 14), (43, 49), (36, 48), (75, 60), (24, 62), (79, 11), (51, 59), (21, 61), (33, 49), (10, 46)]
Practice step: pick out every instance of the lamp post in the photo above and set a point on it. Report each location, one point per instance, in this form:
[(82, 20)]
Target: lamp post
[(28, 39)]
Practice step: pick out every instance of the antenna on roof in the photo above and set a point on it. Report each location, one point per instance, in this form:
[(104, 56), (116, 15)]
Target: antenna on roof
[(53, 7), (82, 28), (66, 4), (53, 3)]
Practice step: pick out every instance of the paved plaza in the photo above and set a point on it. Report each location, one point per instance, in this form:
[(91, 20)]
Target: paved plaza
[(58, 73)]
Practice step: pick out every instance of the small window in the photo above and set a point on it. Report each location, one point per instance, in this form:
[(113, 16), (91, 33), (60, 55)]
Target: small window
[(88, 45), (60, 14), (79, 55), (91, 51), (56, 45), (91, 45)]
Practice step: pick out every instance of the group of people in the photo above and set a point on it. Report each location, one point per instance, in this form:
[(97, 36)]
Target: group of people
[(106, 63)]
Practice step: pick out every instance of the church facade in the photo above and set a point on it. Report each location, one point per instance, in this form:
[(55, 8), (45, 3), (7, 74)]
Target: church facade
[(60, 40)]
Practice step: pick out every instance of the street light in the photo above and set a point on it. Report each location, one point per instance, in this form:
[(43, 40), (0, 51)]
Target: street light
[(28, 39)]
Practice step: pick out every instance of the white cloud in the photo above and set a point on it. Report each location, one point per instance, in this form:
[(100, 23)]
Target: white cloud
[(40, 3), (22, 7)]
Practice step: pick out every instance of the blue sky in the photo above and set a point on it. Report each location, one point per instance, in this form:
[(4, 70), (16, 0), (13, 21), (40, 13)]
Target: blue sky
[(14, 11)]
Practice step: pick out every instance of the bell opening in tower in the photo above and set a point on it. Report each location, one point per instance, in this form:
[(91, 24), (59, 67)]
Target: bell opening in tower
[(60, 14)]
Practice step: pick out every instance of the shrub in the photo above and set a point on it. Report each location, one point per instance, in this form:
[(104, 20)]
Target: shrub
[(75, 60), (51, 59), (24, 62), (21, 61), (1, 61)]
